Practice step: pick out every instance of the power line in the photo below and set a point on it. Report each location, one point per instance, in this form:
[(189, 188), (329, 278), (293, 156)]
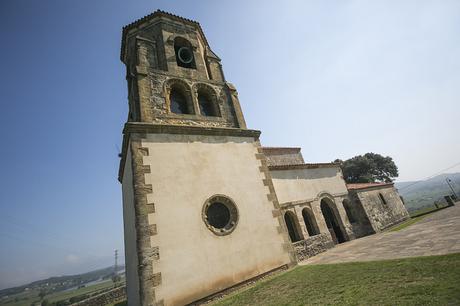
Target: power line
[(440, 172)]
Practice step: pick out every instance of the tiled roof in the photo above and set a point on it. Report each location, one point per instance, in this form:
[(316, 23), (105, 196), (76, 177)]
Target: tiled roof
[(158, 13), (303, 166), (367, 185)]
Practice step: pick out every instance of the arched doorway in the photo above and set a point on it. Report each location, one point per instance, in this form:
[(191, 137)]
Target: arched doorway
[(293, 229), (332, 223)]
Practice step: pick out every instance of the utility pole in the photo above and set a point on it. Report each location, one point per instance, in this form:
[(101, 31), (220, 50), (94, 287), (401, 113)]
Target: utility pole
[(115, 277), (116, 262), (449, 181)]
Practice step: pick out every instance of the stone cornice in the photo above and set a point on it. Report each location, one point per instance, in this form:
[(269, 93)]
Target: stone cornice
[(151, 128), (143, 127), (149, 71), (281, 149), (304, 166)]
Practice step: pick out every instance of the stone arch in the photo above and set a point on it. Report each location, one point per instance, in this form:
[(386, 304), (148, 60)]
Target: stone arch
[(333, 221), (293, 227), (348, 210), (207, 99), (180, 88), (310, 222)]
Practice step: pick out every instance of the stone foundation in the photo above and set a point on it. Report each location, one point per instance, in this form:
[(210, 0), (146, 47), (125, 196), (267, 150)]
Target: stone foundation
[(312, 246)]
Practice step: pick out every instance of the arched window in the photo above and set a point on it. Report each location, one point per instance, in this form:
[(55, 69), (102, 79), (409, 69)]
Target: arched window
[(292, 227), (347, 205), (310, 223), (208, 107), (382, 199), (178, 102), (184, 53)]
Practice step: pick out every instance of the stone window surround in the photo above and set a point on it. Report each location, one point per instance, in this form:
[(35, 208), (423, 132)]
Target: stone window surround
[(191, 95), (234, 214)]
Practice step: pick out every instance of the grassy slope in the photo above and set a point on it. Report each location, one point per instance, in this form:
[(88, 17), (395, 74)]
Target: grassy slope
[(32, 296), (424, 193), (412, 281)]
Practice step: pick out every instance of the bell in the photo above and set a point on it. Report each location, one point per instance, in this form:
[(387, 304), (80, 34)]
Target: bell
[(185, 55)]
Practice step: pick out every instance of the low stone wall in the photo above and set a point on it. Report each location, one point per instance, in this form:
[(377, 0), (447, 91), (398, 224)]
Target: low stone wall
[(395, 222), (312, 246), (106, 298)]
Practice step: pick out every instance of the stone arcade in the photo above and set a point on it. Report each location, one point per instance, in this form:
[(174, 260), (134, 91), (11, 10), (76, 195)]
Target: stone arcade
[(205, 206)]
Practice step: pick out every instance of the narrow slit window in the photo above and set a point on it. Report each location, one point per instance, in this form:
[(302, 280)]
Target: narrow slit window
[(382, 198)]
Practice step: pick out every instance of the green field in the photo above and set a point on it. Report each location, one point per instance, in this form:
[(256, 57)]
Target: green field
[(29, 297), (432, 280)]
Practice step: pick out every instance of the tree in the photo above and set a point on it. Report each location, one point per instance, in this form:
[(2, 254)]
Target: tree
[(368, 168)]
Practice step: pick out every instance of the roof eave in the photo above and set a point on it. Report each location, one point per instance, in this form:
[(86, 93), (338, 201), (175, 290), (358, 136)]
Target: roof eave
[(157, 14)]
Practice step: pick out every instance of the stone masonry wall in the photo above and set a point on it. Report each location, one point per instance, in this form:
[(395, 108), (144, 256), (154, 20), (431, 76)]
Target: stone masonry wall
[(312, 246), (283, 156), (152, 71), (361, 226), (382, 215)]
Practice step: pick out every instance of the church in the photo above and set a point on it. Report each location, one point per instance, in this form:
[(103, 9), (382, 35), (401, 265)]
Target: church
[(206, 206)]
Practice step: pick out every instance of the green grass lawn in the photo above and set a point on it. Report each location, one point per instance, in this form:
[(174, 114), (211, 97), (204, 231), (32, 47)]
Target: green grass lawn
[(432, 280), (63, 295), (26, 298)]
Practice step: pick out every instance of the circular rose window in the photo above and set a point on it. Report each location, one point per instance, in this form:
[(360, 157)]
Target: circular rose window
[(220, 215)]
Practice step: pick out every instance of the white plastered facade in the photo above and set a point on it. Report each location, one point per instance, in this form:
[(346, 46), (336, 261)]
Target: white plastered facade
[(193, 261)]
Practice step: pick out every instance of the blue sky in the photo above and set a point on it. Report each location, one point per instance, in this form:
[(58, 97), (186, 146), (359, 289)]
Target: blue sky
[(337, 78)]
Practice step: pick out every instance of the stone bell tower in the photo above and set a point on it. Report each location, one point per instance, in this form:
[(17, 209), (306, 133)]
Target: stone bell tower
[(200, 211)]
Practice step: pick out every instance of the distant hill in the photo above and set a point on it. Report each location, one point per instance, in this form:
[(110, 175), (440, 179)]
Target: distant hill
[(59, 283), (418, 194)]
